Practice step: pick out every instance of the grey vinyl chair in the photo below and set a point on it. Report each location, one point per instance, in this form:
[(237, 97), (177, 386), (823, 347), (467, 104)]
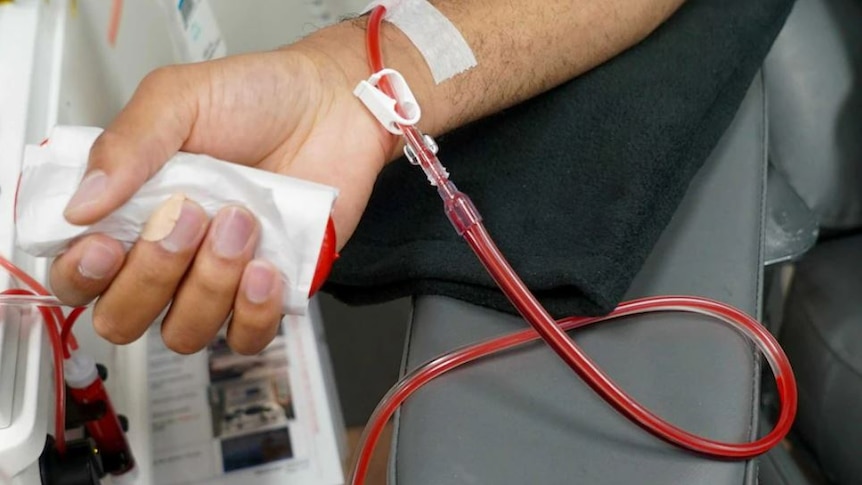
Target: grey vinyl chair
[(814, 80), (525, 418), (795, 163)]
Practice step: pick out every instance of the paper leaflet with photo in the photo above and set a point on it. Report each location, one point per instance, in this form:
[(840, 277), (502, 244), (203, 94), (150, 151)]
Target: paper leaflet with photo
[(218, 417)]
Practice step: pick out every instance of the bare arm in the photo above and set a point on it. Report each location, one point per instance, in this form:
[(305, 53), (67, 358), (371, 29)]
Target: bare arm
[(522, 48)]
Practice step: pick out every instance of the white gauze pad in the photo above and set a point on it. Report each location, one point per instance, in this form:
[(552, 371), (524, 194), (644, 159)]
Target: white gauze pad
[(444, 48), (293, 213)]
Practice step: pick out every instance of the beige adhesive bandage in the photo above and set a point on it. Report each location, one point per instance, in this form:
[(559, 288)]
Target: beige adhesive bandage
[(163, 220)]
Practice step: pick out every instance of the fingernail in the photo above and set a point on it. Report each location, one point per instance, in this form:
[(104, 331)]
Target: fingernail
[(97, 261), (187, 229), (233, 229), (176, 224), (259, 281), (89, 191)]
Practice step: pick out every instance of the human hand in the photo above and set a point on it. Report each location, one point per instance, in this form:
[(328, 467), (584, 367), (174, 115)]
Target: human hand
[(289, 111), (292, 112)]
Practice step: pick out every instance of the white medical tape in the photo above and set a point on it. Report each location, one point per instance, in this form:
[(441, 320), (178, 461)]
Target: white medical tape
[(444, 48)]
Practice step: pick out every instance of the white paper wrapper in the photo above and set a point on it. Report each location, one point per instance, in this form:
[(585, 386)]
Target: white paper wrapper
[(293, 213)]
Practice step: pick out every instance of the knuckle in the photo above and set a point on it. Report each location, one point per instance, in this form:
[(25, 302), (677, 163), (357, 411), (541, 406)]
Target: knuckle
[(212, 279), (69, 286), (102, 144), (180, 343), (258, 325), (188, 327), (212, 285), (155, 274), (65, 290), (104, 151), (159, 77), (110, 330), (248, 336)]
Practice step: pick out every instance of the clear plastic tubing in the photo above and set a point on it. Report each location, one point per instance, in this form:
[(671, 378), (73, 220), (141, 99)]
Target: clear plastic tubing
[(59, 329), (466, 220), (16, 297)]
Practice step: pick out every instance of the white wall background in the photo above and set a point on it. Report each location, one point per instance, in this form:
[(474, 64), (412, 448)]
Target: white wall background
[(99, 78)]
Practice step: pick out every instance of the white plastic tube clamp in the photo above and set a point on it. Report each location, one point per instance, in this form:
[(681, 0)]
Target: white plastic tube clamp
[(383, 107)]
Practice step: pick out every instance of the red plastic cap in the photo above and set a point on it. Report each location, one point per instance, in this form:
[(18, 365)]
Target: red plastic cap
[(327, 257)]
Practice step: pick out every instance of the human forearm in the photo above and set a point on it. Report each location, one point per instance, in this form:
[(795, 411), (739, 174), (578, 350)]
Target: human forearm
[(522, 49)]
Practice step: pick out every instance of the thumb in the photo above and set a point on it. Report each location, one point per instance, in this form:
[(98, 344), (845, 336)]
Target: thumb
[(148, 131)]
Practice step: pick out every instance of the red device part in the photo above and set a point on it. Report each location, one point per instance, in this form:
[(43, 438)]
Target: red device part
[(327, 257), (105, 431)]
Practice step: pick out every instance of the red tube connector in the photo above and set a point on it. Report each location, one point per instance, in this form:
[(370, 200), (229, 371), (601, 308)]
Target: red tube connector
[(87, 389)]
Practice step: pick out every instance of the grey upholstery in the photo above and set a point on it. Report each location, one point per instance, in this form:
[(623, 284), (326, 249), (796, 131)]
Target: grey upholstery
[(813, 76), (822, 335), (525, 418), (791, 226), (814, 80)]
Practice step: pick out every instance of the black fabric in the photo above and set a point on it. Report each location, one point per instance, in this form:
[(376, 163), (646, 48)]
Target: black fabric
[(575, 185)]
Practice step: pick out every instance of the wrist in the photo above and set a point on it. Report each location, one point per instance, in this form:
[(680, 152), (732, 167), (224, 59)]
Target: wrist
[(344, 44)]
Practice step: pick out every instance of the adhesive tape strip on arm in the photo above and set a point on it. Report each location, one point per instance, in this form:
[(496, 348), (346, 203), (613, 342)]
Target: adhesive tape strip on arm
[(293, 213), (444, 48)]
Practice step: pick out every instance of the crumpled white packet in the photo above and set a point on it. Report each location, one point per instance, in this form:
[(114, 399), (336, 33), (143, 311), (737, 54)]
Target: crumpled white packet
[(293, 213)]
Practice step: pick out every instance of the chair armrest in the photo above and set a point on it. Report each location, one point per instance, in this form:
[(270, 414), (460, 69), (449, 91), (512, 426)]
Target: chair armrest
[(524, 417)]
